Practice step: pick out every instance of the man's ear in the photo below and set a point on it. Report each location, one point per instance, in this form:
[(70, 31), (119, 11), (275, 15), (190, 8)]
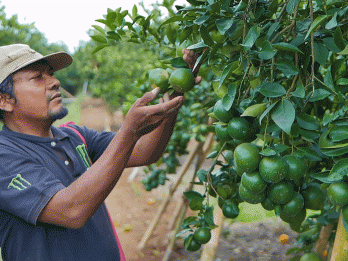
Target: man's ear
[(6, 102)]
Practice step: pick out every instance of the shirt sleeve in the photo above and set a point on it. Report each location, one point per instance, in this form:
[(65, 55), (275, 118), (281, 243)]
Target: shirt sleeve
[(25, 185), (96, 141)]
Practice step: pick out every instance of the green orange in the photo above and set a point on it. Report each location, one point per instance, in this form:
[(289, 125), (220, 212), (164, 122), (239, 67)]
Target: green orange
[(314, 197), (222, 132), (273, 169), (202, 235), (253, 182), (281, 193), (251, 197), (182, 80), (220, 113), (297, 167), (268, 204), (293, 207), (311, 256), (230, 210), (240, 128), (191, 244), (159, 78), (246, 157), (338, 193)]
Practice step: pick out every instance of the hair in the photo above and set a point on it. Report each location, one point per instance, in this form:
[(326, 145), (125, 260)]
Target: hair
[(6, 87)]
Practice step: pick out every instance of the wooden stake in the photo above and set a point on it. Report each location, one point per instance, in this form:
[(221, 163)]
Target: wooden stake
[(165, 202), (324, 236), (340, 247)]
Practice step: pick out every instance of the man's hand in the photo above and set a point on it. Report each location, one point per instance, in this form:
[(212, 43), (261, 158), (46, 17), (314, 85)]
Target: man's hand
[(142, 119)]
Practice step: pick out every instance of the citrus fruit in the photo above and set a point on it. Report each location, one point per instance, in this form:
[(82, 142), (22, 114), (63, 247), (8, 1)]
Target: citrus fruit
[(268, 204), (273, 169), (246, 157), (253, 182), (284, 238), (295, 220), (240, 128), (220, 113), (281, 193), (338, 193), (202, 235), (217, 37), (191, 244), (222, 132), (297, 168), (182, 80), (221, 202), (230, 210), (314, 197), (127, 227), (251, 197), (294, 205), (312, 256), (159, 78)]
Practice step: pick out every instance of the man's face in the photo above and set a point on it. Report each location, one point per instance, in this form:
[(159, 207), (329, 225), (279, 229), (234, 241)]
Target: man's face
[(37, 94)]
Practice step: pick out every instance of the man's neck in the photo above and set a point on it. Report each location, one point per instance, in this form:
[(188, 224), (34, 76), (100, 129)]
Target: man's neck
[(38, 129)]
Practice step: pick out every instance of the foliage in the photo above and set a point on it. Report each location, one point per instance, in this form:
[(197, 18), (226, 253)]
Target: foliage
[(283, 63)]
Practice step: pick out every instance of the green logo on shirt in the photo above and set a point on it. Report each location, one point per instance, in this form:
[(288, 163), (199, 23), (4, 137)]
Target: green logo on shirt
[(82, 151), (19, 183)]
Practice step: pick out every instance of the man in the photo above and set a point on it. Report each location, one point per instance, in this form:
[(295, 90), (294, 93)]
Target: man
[(51, 196)]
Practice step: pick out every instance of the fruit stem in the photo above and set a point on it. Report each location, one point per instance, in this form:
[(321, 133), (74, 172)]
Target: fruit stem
[(264, 135)]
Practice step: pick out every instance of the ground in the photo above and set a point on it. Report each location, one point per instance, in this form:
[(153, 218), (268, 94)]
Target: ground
[(130, 205)]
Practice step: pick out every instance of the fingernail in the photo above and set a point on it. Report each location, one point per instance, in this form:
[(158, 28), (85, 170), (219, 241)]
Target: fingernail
[(156, 90)]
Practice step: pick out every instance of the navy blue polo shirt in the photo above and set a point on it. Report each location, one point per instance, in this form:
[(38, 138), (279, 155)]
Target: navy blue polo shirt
[(32, 170)]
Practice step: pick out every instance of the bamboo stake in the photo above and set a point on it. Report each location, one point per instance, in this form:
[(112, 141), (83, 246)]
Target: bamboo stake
[(209, 249), (340, 247), (165, 202), (171, 245), (324, 236)]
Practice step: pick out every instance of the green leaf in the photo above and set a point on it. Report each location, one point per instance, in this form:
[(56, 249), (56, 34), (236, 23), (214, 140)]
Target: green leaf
[(316, 23), (209, 216), (286, 47), (328, 79), (280, 148), (178, 62), (308, 153), (202, 175), (332, 23), (113, 36), (339, 133), (299, 92), (267, 111), (212, 155), (98, 48), (206, 36), (220, 90), (342, 81), (99, 28), (267, 51), (339, 40), (287, 67), (319, 94), (309, 134), (175, 18), (251, 37), (223, 25), (339, 170), (201, 19), (330, 44), (268, 152), (291, 6), (255, 110), (345, 51), (197, 46), (225, 73), (284, 115), (272, 90), (99, 38), (134, 11), (321, 53), (307, 122), (195, 204), (228, 99), (332, 152), (322, 176), (190, 195)]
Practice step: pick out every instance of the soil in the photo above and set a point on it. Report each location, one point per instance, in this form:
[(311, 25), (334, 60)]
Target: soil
[(132, 209)]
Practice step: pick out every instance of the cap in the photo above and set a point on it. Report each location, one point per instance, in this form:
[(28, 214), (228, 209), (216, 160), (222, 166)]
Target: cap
[(16, 56)]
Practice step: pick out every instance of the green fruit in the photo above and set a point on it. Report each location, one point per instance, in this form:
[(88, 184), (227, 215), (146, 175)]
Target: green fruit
[(268, 204), (281, 193), (273, 169), (217, 37), (338, 193), (182, 80), (246, 157), (297, 168), (293, 207), (294, 220), (251, 197), (220, 113), (230, 210), (312, 256), (241, 129), (202, 235), (191, 244), (222, 132), (253, 182), (314, 197), (159, 78), (225, 190)]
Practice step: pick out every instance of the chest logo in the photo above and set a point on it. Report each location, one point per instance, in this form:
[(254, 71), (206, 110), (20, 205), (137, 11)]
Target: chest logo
[(82, 151), (19, 183)]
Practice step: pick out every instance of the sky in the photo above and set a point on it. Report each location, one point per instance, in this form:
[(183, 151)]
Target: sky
[(67, 20)]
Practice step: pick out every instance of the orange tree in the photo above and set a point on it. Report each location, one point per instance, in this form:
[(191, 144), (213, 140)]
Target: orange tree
[(275, 81)]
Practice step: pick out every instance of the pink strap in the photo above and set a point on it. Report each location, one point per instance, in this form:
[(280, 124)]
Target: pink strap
[(123, 257)]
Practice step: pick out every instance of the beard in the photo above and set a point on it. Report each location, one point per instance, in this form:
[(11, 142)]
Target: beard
[(58, 114)]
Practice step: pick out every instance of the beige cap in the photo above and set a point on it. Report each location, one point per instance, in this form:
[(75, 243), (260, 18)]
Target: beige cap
[(16, 56)]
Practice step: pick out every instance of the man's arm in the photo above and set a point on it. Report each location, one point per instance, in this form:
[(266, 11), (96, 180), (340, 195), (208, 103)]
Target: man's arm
[(73, 206)]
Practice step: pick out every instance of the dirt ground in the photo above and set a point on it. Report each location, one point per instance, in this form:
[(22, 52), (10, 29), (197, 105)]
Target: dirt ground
[(131, 206)]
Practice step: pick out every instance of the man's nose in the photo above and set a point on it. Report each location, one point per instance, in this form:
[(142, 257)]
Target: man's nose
[(53, 83)]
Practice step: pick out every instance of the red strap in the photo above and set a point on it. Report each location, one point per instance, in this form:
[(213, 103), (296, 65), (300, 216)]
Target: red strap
[(66, 125)]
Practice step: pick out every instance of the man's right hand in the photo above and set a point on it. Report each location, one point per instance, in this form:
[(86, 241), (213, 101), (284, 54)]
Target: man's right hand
[(142, 119)]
